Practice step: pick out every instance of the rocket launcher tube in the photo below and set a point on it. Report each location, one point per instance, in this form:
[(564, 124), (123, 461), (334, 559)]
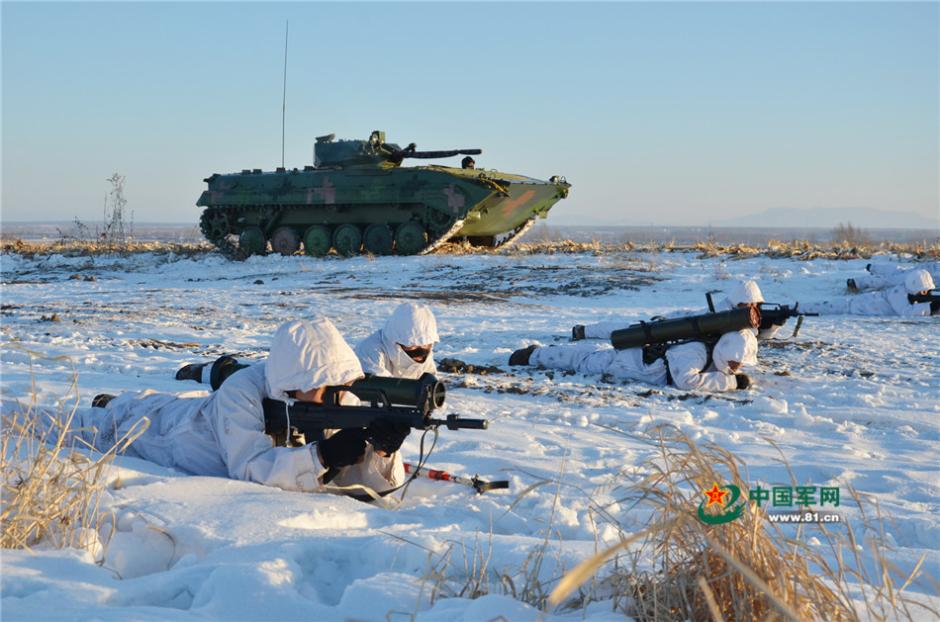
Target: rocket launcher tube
[(709, 325), (427, 392)]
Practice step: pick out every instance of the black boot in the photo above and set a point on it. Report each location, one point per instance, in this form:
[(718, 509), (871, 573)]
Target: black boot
[(577, 332), (101, 400), (851, 285), (521, 357), (193, 371)]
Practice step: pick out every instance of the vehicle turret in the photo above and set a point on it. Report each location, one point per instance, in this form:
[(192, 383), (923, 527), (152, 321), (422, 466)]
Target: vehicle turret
[(330, 153)]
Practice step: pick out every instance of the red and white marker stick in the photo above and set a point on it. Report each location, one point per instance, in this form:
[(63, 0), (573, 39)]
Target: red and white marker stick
[(474, 482)]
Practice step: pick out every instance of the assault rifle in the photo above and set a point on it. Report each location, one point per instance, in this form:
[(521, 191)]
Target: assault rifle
[(408, 402), (931, 297), (296, 423), (773, 314)]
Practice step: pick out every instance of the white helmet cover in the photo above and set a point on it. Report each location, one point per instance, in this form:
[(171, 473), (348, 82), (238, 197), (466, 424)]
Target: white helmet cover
[(732, 346), (918, 281), (411, 325), (309, 354), (745, 292)]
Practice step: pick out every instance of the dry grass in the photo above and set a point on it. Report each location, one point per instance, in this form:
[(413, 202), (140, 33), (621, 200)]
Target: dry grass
[(799, 249), (679, 568), (466, 570), (84, 248), (51, 491)]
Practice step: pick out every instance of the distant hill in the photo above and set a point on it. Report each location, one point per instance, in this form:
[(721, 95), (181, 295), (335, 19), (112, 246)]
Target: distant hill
[(827, 217)]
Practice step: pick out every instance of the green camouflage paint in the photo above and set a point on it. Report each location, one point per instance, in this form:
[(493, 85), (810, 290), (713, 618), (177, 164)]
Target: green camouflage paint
[(361, 183)]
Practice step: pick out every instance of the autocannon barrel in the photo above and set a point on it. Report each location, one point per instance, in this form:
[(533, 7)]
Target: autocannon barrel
[(685, 328), (428, 155)]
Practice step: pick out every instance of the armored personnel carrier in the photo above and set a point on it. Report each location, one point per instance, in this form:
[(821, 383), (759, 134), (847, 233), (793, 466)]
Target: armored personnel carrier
[(359, 198)]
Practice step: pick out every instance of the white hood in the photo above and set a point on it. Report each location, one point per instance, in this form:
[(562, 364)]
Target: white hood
[(732, 347), (745, 292), (410, 325), (308, 354), (918, 281)]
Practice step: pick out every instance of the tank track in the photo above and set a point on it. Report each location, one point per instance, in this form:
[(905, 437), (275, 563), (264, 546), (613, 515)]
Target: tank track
[(517, 233), (209, 223), (442, 239), (212, 217)]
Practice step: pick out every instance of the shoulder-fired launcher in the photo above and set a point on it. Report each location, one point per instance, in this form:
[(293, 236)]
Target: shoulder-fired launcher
[(691, 328)]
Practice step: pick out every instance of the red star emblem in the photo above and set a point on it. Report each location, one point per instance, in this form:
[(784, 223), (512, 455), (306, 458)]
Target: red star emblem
[(716, 496)]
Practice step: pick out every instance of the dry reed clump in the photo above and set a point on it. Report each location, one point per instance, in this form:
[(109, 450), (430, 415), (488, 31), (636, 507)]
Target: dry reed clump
[(798, 249), (51, 491), (85, 248), (679, 568)]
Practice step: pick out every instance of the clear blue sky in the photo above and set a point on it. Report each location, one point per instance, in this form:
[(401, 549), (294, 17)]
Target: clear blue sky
[(657, 113)]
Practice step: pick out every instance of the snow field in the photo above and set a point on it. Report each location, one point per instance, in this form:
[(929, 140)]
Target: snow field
[(858, 405)]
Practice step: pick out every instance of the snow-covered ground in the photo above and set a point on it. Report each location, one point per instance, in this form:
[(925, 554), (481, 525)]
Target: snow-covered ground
[(852, 401)]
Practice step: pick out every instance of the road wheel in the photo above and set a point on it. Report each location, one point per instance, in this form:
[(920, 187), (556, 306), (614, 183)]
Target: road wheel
[(317, 240), (410, 238), (347, 239), (214, 225), (378, 239), (251, 241), (285, 241)]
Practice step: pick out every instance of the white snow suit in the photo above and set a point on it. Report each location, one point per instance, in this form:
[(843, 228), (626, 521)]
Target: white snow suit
[(223, 434), (688, 362), (409, 325), (883, 274), (891, 301)]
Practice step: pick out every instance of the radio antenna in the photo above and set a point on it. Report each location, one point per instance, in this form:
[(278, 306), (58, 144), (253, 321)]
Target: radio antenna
[(284, 98)]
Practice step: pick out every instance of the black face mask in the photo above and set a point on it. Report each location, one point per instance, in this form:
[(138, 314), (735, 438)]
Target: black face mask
[(418, 355)]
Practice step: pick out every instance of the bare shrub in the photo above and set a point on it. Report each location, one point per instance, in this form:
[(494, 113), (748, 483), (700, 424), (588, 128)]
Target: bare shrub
[(849, 235), (116, 231)]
